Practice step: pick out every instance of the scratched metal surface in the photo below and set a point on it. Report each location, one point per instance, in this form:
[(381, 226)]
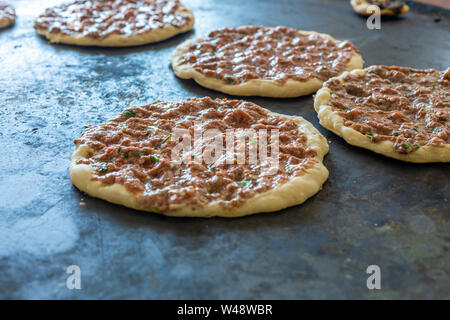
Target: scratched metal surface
[(372, 210)]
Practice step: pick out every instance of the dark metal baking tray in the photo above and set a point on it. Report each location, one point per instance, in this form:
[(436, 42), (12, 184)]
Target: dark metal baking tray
[(372, 210)]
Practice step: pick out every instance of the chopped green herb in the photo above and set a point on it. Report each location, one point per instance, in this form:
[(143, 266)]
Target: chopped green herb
[(245, 183), (138, 153), (406, 145), (371, 137), (154, 159), (165, 140), (417, 146), (298, 58), (324, 67), (119, 150), (90, 154), (414, 129), (129, 113), (126, 154), (230, 80), (252, 141), (441, 119), (104, 168), (437, 129)]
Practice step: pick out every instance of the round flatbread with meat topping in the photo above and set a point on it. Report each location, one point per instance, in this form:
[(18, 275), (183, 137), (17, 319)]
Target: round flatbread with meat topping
[(114, 23), (7, 15), (399, 112), (158, 158), (261, 61), (387, 7)]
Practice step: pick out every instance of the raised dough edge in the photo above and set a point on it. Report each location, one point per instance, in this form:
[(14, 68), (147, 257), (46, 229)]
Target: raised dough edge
[(332, 121), (291, 193), (254, 87), (120, 40)]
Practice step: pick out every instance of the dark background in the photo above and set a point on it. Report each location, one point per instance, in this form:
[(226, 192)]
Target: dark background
[(372, 210)]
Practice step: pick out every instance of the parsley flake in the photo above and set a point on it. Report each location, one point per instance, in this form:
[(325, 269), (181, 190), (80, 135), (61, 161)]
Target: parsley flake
[(245, 183), (129, 113)]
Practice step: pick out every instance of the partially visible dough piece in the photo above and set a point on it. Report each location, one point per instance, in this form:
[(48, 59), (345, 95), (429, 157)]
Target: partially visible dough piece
[(114, 23), (387, 7), (7, 15), (263, 61), (399, 112)]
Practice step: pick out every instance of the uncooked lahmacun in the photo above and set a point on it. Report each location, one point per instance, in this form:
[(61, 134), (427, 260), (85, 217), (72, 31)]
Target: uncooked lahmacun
[(114, 23), (387, 7), (399, 112), (7, 15), (129, 160), (262, 61)]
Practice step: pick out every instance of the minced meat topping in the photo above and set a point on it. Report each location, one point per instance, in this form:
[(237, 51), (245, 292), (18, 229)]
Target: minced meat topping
[(99, 19), (237, 55), (136, 151), (409, 107)]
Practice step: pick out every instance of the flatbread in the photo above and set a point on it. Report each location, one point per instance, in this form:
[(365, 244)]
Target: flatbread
[(111, 164), (7, 15), (387, 7), (261, 61), (114, 23), (405, 116)]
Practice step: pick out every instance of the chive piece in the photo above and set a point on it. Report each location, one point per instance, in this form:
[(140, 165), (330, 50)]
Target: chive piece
[(371, 137), (441, 119), (104, 168), (252, 141), (126, 154), (119, 150), (129, 113), (165, 140), (154, 159), (230, 80), (406, 145), (414, 129), (245, 183), (138, 153), (90, 154), (417, 146), (298, 58)]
